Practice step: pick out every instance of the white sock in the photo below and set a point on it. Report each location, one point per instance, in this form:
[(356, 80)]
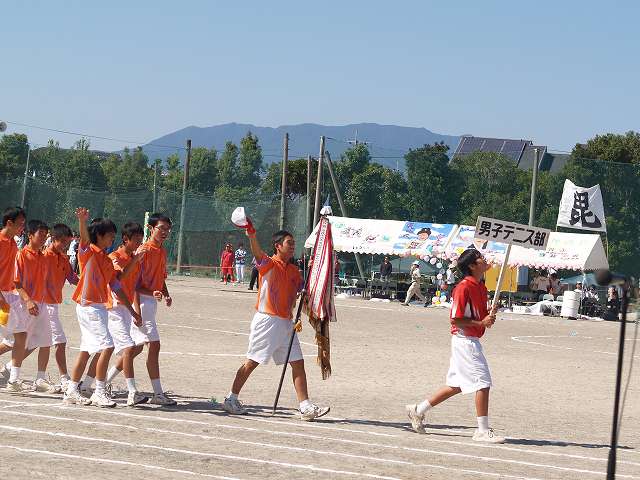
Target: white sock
[(65, 376), (99, 386), (232, 396), (8, 365), (112, 373), (72, 386), (423, 407), (305, 404), (88, 381), (157, 386), (40, 375), (131, 385), (15, 374), (483, 424)]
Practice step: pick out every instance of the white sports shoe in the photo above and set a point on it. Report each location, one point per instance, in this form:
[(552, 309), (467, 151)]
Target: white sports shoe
[(84, 390), (487, 437), (417, 420), (101, 399), (162, 399), (45, 386), (18, 387), (136, 398), (5, 372), (313, 412), (234, 406), (75, 398)]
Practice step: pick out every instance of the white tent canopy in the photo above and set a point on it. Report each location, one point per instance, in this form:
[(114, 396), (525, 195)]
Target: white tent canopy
[(569, 251)]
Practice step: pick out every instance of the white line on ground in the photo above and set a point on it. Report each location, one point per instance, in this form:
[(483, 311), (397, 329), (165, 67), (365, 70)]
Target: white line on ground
[(195, 453), (363, 457), (523, 339), (116, 462)]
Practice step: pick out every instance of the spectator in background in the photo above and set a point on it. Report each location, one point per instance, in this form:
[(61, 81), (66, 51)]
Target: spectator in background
[(254, 273), (72, 252), (385, 270), (554, 284), (240, 256), (414, 288), (540, 284), (613, 304), (226, 264)]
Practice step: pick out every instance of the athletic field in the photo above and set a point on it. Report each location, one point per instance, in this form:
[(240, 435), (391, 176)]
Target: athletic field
[(552, 398)]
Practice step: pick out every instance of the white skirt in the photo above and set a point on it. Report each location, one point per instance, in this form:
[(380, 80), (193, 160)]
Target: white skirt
[(468, 368)]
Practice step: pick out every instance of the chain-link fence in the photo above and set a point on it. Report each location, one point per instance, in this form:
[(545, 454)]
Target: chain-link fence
[(207, 226)]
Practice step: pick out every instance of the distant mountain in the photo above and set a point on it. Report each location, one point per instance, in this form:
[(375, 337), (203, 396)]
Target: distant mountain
[(387, 143)]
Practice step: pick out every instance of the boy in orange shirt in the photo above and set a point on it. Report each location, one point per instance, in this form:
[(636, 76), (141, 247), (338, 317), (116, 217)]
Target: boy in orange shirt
[(59, 272), (13, 221), (27, 323), (92, 296), (279, 283), (127, 263)]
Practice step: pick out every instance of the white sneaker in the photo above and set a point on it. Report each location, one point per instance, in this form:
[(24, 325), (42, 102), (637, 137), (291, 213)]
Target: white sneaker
[(64, 383), (136, 398), (84, 390), (417, 420), (18, 387), (487, 437), (45, 386), (101, 399), (313, 412), (74, 397), (162, 399), (4, 372), (234, 406)]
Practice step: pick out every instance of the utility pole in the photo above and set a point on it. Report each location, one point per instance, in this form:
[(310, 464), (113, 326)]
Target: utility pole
[(283, 188), (26, 175), (185, 184), (342, 207), (316, 213), (155, 186), (534, 184), (308, 213)]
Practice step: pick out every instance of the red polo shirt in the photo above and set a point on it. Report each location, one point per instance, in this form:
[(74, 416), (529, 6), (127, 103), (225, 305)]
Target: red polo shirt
[(469, 300)]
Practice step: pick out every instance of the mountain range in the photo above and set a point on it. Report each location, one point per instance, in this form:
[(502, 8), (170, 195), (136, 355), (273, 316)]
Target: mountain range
[(387, 143)]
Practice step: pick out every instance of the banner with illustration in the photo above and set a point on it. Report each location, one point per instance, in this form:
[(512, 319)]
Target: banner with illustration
[(388, 237)]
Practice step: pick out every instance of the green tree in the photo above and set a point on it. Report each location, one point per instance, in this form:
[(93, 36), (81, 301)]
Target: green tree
[(228, 166), (249, 162), (172, 179), (430, 184), (203, 170), (296, 178), (81, 169), (130, 171), (13, 155)]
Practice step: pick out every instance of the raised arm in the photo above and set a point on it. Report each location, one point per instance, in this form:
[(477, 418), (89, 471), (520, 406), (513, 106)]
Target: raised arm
[(256, 250), (83, 216)]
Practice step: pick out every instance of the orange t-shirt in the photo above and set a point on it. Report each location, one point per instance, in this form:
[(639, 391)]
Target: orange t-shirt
[(59, 270), (8, 252), (120, 259), (96, 275), (31, 272), (153, 267), (279, 284)]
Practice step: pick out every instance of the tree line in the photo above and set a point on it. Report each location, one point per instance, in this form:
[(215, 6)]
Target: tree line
[(433, 188)]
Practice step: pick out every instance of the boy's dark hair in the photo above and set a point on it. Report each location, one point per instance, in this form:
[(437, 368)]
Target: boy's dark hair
[(33, 226), (12, 213), (100, 226), (60, 230), (154, 218), (466, 259), (278, 238), (130, 229)]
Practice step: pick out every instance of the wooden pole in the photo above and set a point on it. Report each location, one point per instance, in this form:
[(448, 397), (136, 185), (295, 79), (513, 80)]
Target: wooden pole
[(316, 211), (185, 184), (283, 188)]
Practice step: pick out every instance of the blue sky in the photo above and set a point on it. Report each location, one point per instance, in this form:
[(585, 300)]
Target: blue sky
[(556, 72)]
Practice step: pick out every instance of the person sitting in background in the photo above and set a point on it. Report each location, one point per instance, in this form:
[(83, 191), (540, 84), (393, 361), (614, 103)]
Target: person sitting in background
[(554, 285), (385, 270), (540, 284), (613, 304)]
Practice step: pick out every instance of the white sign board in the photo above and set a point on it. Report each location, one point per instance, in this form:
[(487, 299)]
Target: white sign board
[(581, 208), (527, 236)]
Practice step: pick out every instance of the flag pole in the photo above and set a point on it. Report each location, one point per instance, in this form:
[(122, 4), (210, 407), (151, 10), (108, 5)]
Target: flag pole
[(496, 296), (293, 334)]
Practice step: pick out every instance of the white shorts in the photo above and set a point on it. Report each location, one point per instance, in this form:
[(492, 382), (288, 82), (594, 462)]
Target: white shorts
[(57, 332), (36, 327), (149, 330), (269, 338), (468, 368), (120, 328), (94, 320)]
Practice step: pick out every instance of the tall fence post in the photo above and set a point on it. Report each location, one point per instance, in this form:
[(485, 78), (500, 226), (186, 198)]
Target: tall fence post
[(316, 211), (155, 186), (185, 184), (283, 188), (26, 175)]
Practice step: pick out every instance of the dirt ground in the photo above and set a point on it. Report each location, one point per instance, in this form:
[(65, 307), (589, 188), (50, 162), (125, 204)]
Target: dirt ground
[(552, 397)]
